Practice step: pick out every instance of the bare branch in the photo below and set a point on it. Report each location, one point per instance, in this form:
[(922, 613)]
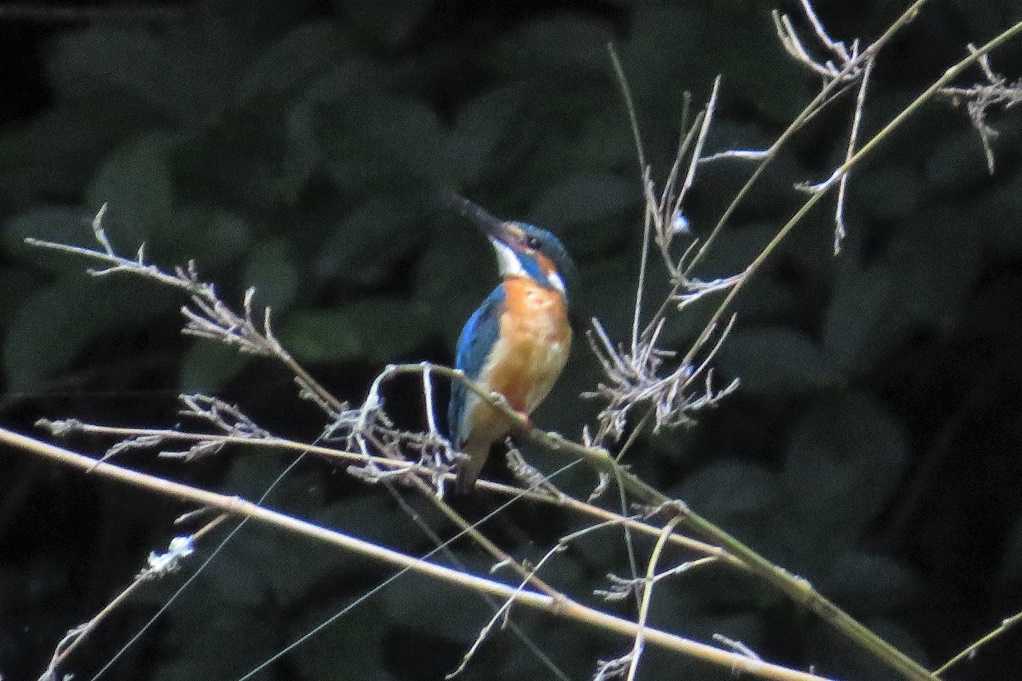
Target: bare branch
[(206, 315), (839, 215), (159, 565), (738, 646), (633, 380), (647, 598), (846, 67), (561, 607), (502, 613), (970, 650)]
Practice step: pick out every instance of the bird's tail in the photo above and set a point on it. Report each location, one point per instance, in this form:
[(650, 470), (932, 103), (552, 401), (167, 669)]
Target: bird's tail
[(470, 468)]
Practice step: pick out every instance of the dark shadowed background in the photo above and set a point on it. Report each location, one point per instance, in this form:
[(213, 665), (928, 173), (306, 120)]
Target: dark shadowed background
[(873, 447)]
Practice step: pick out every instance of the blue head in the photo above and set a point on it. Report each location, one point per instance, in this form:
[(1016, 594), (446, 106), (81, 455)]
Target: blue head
[(524, 250)]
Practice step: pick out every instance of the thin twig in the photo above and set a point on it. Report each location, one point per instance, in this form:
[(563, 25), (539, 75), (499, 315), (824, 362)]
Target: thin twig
[(832, 86), (790, 585), (839, 214), (207, 316), (502, 613), (647, 597), (68, 427), (159, 566), (970, 651)]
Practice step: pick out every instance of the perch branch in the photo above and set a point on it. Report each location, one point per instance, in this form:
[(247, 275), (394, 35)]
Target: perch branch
[(565, 608)]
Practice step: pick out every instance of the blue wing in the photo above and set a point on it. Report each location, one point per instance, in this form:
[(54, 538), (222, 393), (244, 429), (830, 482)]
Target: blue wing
[(474, 344)]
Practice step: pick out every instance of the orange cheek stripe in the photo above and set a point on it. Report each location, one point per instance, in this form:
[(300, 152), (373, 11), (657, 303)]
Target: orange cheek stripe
[(545, 264)]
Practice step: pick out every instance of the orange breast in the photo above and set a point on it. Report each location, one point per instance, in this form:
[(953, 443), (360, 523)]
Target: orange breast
[(535, 340)]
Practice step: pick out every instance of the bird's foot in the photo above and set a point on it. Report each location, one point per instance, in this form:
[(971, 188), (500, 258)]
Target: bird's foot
[(526, 420)]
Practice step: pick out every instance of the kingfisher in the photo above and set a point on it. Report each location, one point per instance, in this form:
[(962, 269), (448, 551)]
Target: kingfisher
[(517, 342)]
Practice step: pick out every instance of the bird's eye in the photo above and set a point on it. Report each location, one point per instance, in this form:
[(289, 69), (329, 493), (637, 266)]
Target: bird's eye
[(532, 242)]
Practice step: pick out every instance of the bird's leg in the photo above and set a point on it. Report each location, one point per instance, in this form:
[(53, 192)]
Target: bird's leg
[(516, 407)]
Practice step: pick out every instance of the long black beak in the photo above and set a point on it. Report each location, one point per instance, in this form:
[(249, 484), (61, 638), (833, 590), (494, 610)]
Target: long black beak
[(491, 226)]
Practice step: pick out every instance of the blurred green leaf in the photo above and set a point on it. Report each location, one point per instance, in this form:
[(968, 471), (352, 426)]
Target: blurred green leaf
[(59, 224), (108, 61), (374, 138), (773, 298), (453, 291), (51, 156), (957, 162), (775, 361), (844, 461), (271, 269), (207, 366), (221, 166), (886, 193), (560, 140), (355, 76), (213, 237), (374, 330), (862, 322), (480, 127), (185, 73), (735, 249), (57, 322), (668, 45), (935, 261), (585, 198), (136, 182), (387, 21), (876, 584), (303, 152), (751, 491), (602, 142), (566, 46), (760, 73), (365, 245), (287, 65), (601, 292)]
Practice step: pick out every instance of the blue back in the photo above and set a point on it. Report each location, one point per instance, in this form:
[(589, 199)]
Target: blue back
[(474, 344)]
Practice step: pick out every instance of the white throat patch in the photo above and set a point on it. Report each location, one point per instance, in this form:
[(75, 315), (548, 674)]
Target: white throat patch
[(511, 266), (507, 261)]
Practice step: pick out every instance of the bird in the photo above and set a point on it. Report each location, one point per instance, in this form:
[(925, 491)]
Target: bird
[(517, 342)]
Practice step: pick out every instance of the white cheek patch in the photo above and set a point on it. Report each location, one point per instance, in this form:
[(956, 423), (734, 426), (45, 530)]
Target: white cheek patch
[(556, 281), (507, 261)]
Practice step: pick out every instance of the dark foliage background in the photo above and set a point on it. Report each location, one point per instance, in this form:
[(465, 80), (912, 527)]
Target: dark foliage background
[(873, 448)]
